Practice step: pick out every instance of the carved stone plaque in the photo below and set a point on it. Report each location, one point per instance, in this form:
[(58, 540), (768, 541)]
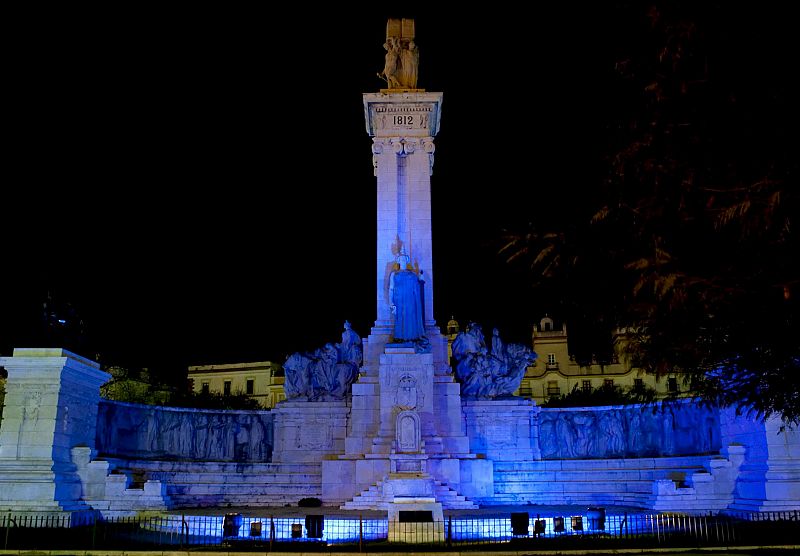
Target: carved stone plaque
[(313, 436)]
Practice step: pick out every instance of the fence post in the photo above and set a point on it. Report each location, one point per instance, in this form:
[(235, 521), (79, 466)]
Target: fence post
[(271, 531), (94, 531), (8, 524), (627, 531), (183, 524), (361, 532), (450, 530)]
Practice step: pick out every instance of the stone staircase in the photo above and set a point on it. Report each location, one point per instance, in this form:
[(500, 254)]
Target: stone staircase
[(374, 499), (653, 483), (211, 484)]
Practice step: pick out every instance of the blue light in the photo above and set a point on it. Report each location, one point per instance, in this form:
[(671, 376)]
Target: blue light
[(62, 321)]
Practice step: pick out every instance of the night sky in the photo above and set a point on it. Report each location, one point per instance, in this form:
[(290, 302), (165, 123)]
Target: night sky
[(198, 185)]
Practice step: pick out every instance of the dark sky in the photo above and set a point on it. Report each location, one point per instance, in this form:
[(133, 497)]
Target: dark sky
[(198, 184)]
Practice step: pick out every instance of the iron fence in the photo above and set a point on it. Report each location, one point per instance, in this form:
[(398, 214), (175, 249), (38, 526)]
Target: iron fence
[(320, 532)]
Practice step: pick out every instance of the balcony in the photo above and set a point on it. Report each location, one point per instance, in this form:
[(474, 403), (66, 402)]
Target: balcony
[(551, 366), (553, 391)]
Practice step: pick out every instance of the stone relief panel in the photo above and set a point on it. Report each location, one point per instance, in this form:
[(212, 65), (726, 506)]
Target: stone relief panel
[(616, 432), (163, 433)]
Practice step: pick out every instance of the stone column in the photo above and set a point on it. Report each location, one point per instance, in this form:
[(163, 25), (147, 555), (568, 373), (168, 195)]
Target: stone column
[(402, 126), (50, 407)]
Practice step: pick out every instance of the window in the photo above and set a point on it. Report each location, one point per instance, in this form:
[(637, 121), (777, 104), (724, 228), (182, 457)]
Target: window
[(608, 383), (551, 358), (250, 386), (638, 385), (226, 389), (552, 388), (672, 384), (586, 385), (205, 388)]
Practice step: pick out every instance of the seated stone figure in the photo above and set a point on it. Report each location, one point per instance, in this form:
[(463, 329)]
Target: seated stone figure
[(487, 375), (326, 373)]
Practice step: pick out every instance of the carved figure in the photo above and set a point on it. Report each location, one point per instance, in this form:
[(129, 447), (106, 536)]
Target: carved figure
[(409, 63), (392, 59), (350, 350), (489, 375), (406, 297), (327, 373)]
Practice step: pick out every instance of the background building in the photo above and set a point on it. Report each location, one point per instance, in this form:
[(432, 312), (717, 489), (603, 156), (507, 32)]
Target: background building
[(261, 380), (556, 372)]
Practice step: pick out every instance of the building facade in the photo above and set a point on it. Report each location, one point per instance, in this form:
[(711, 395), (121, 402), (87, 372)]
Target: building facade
[(261, 380), (556, 372)]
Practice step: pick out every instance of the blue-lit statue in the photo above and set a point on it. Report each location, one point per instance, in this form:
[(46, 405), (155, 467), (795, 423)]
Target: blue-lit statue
[(489, 375), (350, 350), (405, 293), (326, 373)]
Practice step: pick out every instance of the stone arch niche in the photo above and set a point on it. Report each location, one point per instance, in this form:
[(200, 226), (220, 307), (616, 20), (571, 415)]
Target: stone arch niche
[(407, 439)]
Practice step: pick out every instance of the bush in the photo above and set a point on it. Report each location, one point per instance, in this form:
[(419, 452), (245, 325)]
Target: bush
[(605, 395), (310, 503)]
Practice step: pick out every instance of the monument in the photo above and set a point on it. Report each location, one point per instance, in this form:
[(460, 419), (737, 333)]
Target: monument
[(382, 423), (406, 447)]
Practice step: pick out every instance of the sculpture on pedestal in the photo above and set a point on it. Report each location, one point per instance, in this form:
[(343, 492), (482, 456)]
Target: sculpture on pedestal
[(489, 375), (407, 303), (326, 373), (402, 55)]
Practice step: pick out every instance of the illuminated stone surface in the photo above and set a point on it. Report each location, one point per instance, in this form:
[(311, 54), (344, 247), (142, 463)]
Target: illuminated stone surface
[(50, 408)]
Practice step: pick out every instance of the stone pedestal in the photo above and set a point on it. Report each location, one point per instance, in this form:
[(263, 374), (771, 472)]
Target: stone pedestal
[(50, 407), (500, 429), (309, 431), (415, 532)]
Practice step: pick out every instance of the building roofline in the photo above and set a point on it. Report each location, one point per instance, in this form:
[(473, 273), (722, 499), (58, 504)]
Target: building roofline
[(231, 366)]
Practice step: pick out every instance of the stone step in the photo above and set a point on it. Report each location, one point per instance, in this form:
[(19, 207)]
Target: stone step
[(231, 479), (372, 498), (233, 490)]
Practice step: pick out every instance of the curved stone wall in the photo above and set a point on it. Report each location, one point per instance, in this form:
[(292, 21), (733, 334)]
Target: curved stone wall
[(135, 431), (663, 429)]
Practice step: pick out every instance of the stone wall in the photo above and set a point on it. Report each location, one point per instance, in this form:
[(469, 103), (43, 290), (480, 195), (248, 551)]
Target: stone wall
[(145, 432), (663, 429)]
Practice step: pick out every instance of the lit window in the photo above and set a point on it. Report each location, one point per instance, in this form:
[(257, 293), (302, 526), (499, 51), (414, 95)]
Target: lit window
[(551, 358), (586, 385)]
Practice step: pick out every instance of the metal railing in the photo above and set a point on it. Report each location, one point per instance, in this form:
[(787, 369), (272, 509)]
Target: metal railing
[(526, 530)]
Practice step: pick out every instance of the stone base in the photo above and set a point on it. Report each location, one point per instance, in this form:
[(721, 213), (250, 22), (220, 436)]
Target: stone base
[(29, 486), (307, 432), (415, 532), (501, 429)]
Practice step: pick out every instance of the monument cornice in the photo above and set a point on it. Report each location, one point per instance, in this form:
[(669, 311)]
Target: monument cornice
[(406, 114)]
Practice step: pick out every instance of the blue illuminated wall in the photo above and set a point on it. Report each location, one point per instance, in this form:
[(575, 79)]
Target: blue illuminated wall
[(147, 432)]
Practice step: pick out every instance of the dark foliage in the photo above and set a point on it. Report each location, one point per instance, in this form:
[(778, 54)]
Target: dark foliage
[(605, 395), (693, 244)]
